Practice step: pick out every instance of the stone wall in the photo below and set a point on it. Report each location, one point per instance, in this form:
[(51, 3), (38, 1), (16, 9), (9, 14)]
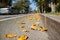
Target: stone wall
[(53, 27)]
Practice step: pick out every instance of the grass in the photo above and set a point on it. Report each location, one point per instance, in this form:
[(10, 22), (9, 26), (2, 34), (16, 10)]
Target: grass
[(55, 13)]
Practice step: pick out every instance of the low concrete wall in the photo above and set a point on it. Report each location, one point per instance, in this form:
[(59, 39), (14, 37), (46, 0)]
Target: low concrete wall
[(53, 27)]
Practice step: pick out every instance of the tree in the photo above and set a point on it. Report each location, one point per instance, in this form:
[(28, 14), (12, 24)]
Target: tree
[(58, 6), (54, 4), (22, 5), (39, 5), (42, 5), (5, 3)]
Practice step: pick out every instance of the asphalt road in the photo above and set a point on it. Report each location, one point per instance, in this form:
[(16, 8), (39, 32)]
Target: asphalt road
[(11, 26), (9, 16)]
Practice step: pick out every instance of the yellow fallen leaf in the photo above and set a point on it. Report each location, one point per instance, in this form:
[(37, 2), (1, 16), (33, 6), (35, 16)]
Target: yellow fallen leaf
[(38, 20), (22, 37), (21, 26), (39, 29), (25, 30), (34, 25), (37, 23), (44, 29), (34, 28), (10, 35), (31, 18), (37, 16), (23, 23)]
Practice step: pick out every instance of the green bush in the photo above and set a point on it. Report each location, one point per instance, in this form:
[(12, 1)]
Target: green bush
[(58, 8)]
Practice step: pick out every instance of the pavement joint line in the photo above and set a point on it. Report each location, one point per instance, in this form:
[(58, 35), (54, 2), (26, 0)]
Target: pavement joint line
[(11, 18)]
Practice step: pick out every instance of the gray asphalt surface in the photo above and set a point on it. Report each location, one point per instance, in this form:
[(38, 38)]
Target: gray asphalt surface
[(11, 26), (9, 16)]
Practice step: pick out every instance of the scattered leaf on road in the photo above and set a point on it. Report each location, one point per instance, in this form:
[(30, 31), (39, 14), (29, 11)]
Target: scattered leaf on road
[(37, 17), (39, 29), (31, 18), (44, 29), (38, 20), (33, 27), (25, 30), (22, 37), (21, 26), (23, 23), (10, 35)]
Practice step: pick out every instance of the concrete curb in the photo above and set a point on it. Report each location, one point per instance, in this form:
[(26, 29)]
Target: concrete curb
[(53, 26)]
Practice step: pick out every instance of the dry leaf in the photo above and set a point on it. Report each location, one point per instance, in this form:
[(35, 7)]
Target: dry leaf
[(39, 29), (37, 23), (23, 23), (34, 28), (44, 29), (38, 20), (10, 35), (25, 30), (21, 26), (23, 37), (34, 25), (31, 18), (37, 17)]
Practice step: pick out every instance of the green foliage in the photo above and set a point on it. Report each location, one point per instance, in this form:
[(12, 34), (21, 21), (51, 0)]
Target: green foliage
[(45, 4), (53, 13), (42, 3), (58, 8), (22, 5)]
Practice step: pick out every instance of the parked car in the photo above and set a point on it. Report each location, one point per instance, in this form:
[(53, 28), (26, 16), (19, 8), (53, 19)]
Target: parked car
[(4, 10), (9, 11), (13, 11)]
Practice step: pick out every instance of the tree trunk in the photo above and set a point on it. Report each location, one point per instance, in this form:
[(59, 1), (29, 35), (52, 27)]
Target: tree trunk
[(45, 6), (52, 7), (41, 8)]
